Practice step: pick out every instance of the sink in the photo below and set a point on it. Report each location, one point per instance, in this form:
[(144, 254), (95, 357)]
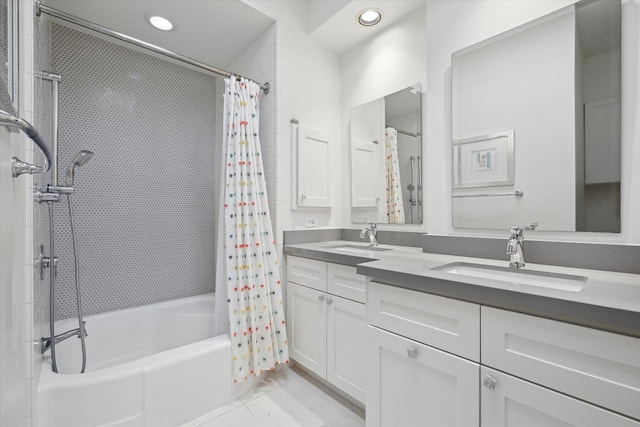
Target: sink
[(515, 278), (359, 249)]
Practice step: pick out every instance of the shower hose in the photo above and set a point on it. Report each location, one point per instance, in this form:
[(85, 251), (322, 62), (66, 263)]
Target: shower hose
[(81, 332)]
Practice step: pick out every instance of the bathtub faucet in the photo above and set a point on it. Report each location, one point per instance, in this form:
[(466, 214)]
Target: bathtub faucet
[(45, 343)]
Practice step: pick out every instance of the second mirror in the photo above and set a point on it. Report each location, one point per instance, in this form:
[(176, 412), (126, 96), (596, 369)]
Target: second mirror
[(386, 159)]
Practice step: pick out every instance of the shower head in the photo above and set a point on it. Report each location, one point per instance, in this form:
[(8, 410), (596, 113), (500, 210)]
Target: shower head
[(80, 159)]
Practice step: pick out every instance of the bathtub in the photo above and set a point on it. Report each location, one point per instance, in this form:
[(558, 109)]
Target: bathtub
[(156, 365)]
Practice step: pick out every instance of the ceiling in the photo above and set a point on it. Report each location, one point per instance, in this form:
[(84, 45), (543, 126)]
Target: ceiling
[(340, 32), (217, 31), (205, 30)]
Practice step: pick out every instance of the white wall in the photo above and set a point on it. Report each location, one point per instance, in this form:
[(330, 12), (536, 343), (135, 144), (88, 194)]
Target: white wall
[(307, 88), (14, 376), (16, 256), (319, 88), (388, 62), (453, 25)]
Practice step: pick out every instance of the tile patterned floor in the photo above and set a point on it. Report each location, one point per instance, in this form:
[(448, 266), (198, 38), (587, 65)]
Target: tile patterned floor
[(290, 398)]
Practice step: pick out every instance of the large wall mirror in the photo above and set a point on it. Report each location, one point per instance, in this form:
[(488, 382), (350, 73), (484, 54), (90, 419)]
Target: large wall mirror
[(536, 124), (386, 159)]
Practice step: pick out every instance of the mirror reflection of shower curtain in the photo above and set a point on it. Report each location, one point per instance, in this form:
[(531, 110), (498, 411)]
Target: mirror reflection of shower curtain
[(395, 206)]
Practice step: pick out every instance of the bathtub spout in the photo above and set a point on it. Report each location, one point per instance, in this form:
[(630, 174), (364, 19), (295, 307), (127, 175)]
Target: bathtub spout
[(45, 343)]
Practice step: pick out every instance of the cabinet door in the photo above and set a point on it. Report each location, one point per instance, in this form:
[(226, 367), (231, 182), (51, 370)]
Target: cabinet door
[(511, 402), (599, 367), (346, 351), (366, 177), (411, 384), (602, 141), (344, 281), (306, 319), (314, 183), (307, 272), (444, 323)]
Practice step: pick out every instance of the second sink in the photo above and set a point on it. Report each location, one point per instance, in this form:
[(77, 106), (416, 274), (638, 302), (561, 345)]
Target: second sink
[(562, 282)]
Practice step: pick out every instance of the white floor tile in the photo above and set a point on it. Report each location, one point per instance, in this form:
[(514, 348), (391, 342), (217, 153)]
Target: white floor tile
[(290, 398), (237, 417), (315, 397), (214, 414), (271, 381), (350, 420), (283, 411)]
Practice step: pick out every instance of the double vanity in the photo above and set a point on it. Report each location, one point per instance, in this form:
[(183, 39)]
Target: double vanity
[(444, 340)]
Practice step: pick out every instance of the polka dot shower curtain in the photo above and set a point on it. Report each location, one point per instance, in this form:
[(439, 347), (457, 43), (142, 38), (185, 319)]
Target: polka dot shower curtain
[(251, 276), (395, 207)]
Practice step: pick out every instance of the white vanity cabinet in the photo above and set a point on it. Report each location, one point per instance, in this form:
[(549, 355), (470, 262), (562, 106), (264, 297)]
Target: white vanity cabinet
[(413, 384), (598, 367), (508, 401), (442, 362), (326, 320), (415, 370)]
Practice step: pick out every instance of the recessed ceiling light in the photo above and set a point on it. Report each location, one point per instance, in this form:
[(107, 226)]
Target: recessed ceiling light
[(161, 23), (369, 17)]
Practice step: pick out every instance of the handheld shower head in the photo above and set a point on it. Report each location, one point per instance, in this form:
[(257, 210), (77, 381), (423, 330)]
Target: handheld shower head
[(80, 159)]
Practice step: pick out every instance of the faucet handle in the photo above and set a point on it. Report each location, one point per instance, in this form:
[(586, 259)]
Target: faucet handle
[(516, 233)]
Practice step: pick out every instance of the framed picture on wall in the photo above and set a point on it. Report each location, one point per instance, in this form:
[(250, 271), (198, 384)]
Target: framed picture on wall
[(484, 161)]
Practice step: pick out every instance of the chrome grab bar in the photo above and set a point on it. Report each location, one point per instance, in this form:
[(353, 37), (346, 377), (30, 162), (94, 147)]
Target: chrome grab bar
[(18, 167), (517, 193)]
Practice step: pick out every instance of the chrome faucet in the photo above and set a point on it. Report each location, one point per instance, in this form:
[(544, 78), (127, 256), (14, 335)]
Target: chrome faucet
[(372, 230), (515, 248), (45, 343)]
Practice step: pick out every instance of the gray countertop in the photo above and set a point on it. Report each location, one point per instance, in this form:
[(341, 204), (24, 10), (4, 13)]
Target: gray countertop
[(608, 301)]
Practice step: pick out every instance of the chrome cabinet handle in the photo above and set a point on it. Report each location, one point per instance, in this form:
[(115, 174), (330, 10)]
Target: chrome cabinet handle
[(412, 352), (329, 300), (489, 382), (320, 298)]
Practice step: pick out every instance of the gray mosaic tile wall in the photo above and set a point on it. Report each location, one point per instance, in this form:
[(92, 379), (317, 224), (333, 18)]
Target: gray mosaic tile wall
[(144, 206)]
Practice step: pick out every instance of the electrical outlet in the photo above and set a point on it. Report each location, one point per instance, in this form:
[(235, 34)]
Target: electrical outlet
[(312, 222)]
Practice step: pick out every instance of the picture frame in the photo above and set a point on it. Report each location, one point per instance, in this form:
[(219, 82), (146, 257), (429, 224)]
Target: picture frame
[(484, 161)]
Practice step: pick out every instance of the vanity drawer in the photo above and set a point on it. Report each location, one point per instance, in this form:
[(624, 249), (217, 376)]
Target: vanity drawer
[(599, 367), (307, 272), (343, 281), (443, 323)]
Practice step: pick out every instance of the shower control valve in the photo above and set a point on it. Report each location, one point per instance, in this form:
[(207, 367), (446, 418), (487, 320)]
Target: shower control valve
[(43, 262)]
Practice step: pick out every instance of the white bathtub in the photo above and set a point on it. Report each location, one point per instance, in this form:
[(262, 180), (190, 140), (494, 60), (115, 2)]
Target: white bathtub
[(157, 365)]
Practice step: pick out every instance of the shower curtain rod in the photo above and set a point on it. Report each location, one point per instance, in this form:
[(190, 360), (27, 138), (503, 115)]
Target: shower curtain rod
[(41, 8), (404, 132)]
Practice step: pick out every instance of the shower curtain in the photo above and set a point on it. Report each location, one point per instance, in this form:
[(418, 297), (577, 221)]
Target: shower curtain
[(395, 208), (250, 268)]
